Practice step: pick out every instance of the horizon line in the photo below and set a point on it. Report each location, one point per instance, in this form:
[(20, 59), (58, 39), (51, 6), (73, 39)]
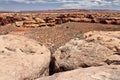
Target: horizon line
[(57, 10)]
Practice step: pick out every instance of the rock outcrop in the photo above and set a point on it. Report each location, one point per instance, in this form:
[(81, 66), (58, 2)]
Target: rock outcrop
[(91, 18), (8, 19), (42, 20), (109, 39), (22, 58), (31, 22), (92, 73), (95, 49)]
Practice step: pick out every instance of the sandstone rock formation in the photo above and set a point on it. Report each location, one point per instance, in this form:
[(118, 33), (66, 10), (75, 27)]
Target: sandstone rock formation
[(31, 23), (92, 73), (19, 24), (109, 39), (95, 18), (79, 53), (37, 20), (34, 22), (22, 58), (50, 21), (8, 19), (96, 49)]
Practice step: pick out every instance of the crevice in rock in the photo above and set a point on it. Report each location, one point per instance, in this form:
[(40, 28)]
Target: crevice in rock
[(10, 49), (85, 65), (53, 70), (117, 53), (113, 62), (52, 66)]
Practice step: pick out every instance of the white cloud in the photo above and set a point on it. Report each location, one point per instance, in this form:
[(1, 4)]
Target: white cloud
[(89, 3), (71, 6), (27, 1), (74, 4), (92, 2)]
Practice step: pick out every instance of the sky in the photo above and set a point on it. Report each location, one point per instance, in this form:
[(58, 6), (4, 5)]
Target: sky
[(23, 5)]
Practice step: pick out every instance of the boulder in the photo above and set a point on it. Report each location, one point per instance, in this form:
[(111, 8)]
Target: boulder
[(95, 49), (39, 20), (19, 24), (92, 73), (79, 53), (22, 58)]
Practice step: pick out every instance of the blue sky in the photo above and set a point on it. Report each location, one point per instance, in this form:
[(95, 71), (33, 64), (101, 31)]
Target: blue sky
[(21, 5)]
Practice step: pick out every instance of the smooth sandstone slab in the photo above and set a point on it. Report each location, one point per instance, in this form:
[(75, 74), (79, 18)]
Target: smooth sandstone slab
[(22, 58), (92, 73)]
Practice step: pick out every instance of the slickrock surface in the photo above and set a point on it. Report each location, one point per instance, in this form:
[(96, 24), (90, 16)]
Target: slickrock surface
[(110, 39), (22, 58), (92, 73), (93, 49)]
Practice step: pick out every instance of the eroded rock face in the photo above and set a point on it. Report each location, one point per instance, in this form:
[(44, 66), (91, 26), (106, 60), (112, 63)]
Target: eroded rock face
[(42, 20), (95, 49), (19, 24), (92, 73), (36, 22), (22, 58), (110, 39), (79, 53), (8, 19), (50, 21), (94, 18)]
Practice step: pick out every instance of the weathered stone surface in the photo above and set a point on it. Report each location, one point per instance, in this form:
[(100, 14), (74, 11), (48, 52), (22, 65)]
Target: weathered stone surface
[(49, 20), (39, 20), (8, 19), (95, 49), (22, 58), (92, 73), (19, 24), (109, 39), (79, 53)]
